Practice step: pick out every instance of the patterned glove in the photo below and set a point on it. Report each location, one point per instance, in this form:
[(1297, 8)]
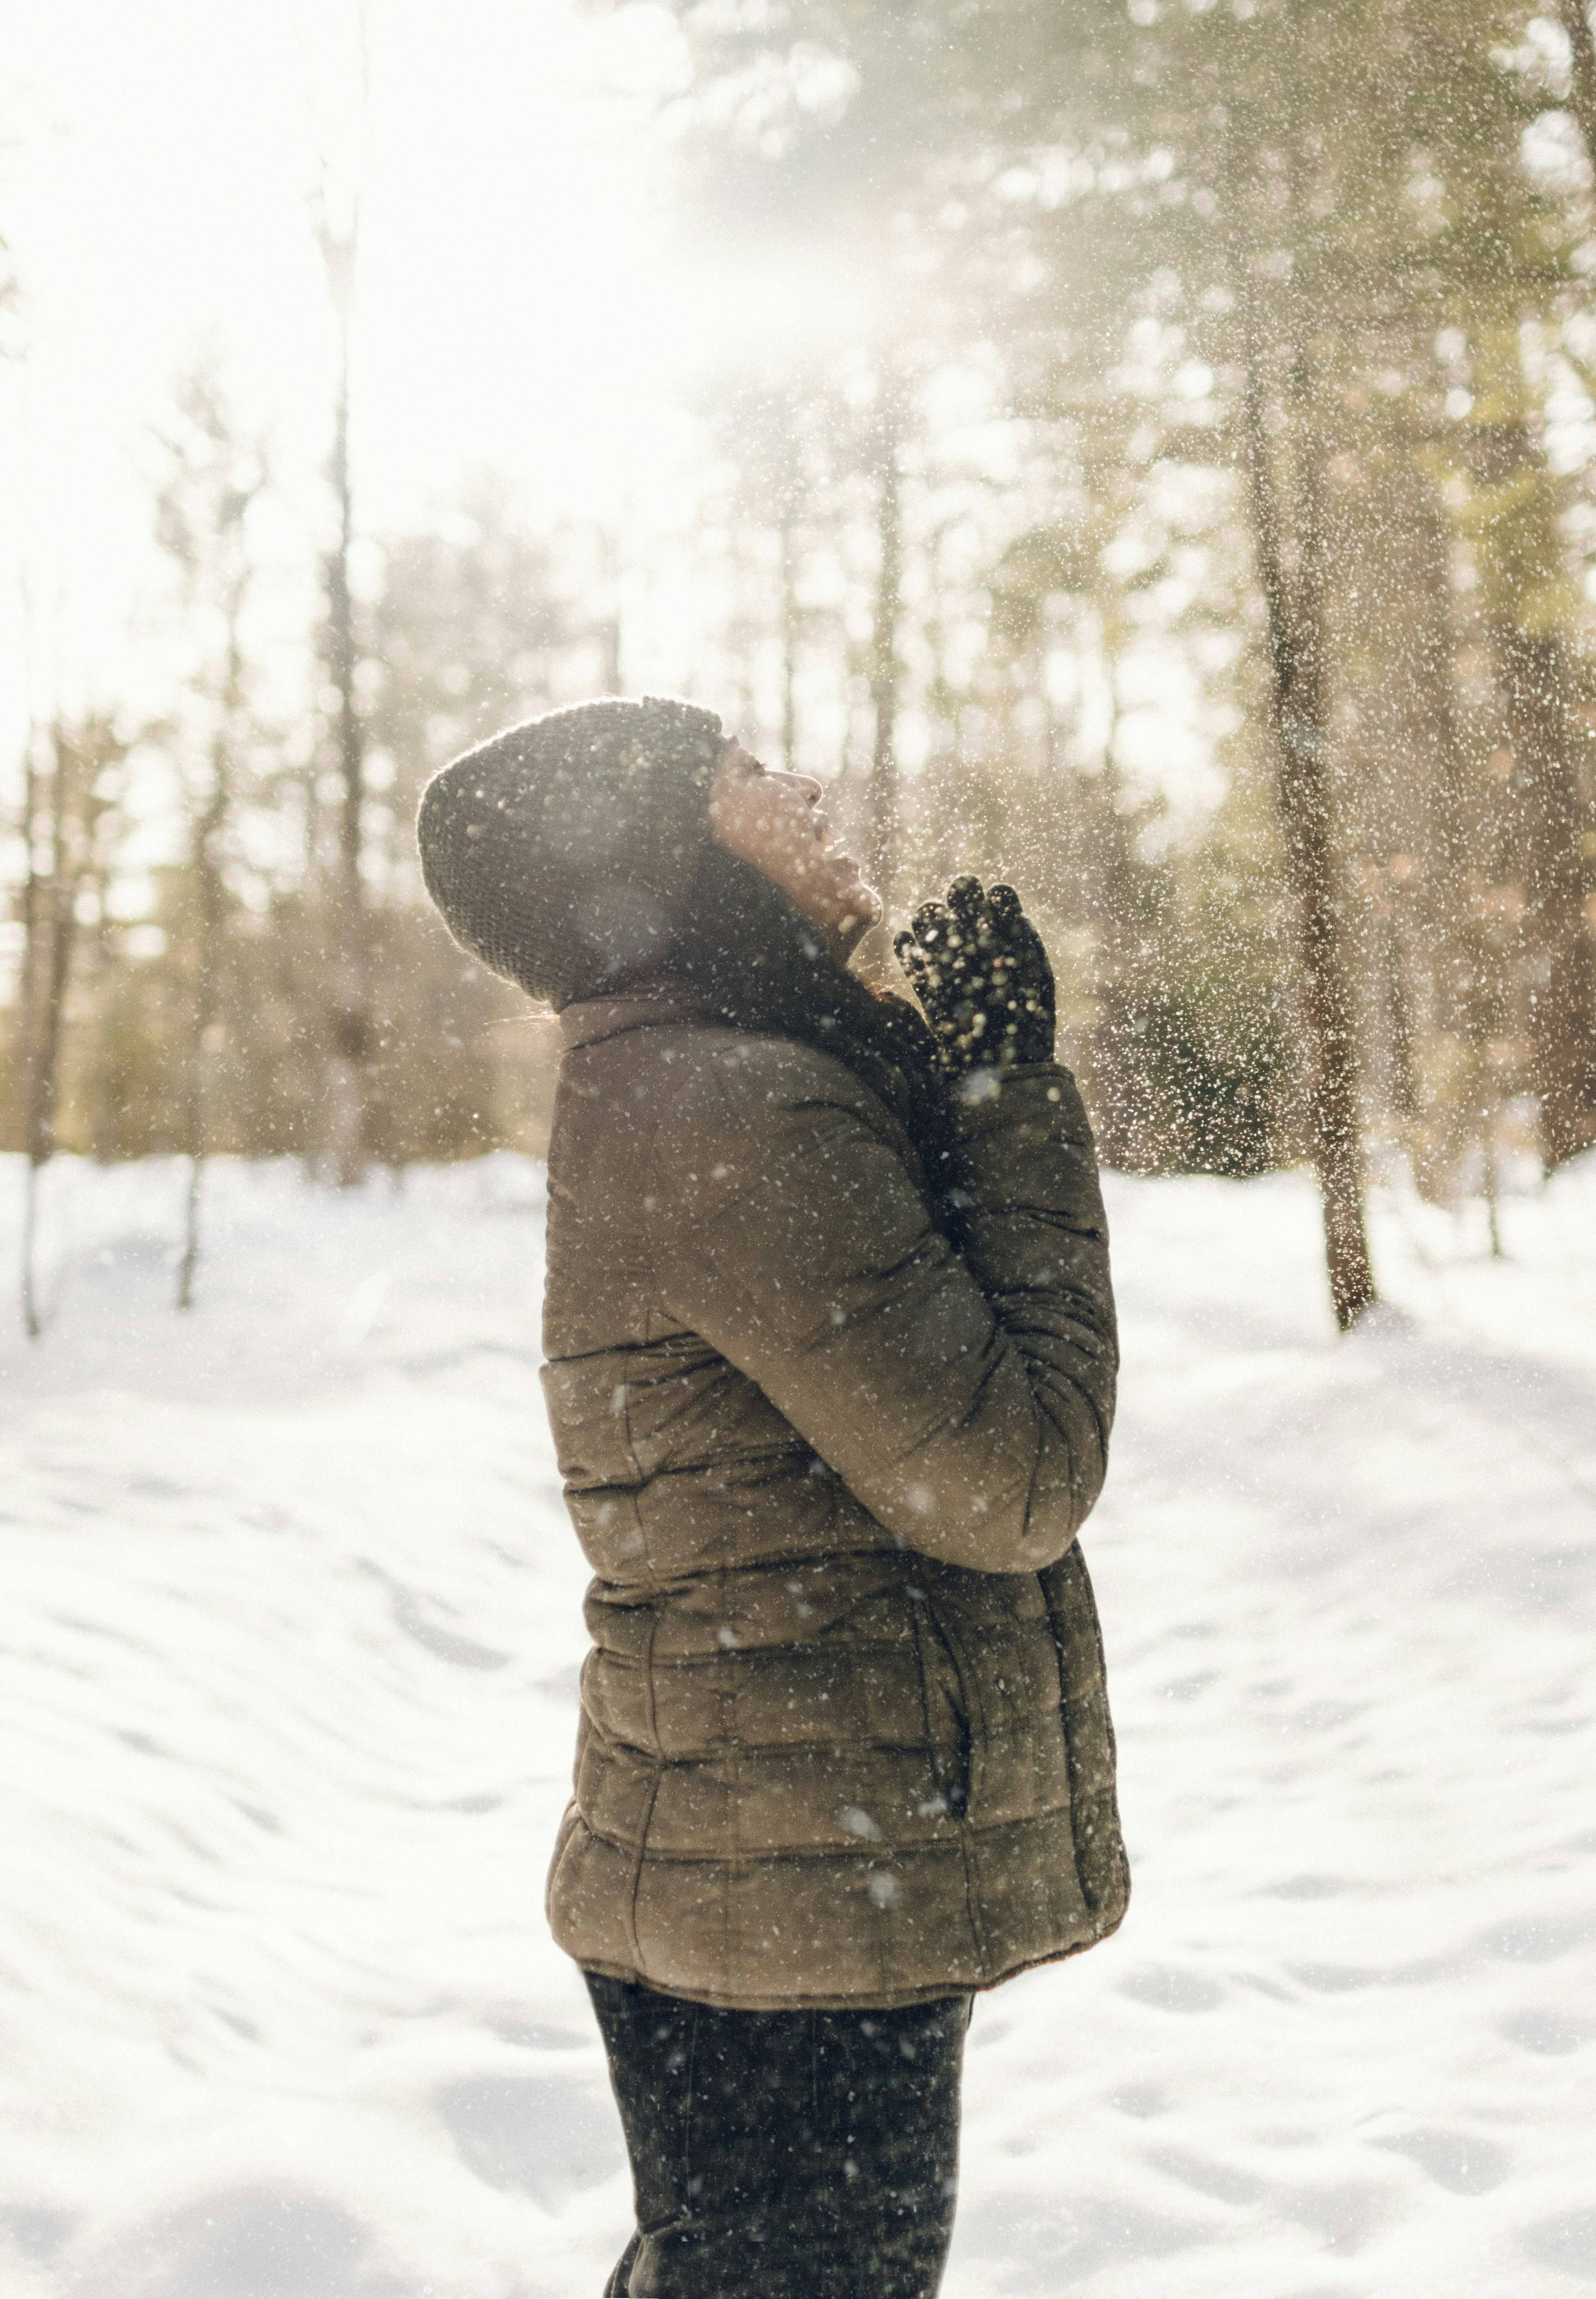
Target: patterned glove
[(978, 968)]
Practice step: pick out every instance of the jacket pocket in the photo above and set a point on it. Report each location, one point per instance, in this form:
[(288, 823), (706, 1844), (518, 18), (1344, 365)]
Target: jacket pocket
[(1089, 1749), (946, 1709)]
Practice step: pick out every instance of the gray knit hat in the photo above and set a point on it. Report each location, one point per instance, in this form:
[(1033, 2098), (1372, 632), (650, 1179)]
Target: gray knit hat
[(559, 852)]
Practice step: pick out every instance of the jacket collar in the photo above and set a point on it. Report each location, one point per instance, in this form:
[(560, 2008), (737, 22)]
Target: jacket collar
[(644, 1007)]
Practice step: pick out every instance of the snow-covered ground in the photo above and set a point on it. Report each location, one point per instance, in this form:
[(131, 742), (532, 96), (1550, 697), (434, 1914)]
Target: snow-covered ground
[(290, 1642)]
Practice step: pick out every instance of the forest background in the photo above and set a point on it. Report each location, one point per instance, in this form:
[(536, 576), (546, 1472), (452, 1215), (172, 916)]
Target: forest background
[(1145, 451)]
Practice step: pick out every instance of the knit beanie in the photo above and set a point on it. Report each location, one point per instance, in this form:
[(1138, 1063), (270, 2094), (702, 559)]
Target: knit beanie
[(559, 852)]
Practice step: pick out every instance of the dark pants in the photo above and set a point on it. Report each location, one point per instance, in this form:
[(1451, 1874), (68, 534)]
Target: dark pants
[(784, 2155)]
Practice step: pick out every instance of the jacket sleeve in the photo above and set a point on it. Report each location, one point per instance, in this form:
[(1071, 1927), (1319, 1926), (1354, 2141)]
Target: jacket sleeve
[(963, 1396)]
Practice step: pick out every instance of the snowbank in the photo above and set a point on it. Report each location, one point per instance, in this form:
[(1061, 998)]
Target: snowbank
[(290, 1652)]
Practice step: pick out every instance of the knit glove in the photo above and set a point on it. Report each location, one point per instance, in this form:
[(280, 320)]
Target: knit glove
[(978, 968)]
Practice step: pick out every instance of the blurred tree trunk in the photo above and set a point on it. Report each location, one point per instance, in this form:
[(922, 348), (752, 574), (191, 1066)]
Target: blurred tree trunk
[(1575, 22), (199, 1096), (1291, 547), (1298, 723), (45, 957), (1446, 825), (1407, 815), (789, 633), (1399, 1002), (1528, 600), (55, 920), (773, 423), (1533, 669), (215, 474), (886, 663), (610, 627), (349, 1020), (72, 803), (30, 912)]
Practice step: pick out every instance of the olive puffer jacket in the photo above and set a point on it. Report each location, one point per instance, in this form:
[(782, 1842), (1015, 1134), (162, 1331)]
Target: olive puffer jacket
[(845, 1739)]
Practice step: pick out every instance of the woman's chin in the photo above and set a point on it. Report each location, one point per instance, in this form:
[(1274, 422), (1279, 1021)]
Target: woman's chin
[(857, 909)]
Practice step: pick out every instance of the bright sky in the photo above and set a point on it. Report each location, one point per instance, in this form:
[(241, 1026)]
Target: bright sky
[(518, 303), (521, 304)]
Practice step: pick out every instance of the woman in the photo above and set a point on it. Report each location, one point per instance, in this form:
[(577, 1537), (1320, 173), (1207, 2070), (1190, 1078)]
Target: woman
[(831, 1363)]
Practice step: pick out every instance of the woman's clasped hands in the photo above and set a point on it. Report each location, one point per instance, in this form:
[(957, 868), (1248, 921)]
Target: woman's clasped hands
[(978, 967)]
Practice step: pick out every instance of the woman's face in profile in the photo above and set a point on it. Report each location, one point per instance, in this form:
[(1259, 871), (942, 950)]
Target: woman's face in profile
[(776, 821)]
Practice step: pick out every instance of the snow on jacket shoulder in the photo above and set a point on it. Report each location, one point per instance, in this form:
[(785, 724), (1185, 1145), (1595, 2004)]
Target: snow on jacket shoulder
[(844, 1734)]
